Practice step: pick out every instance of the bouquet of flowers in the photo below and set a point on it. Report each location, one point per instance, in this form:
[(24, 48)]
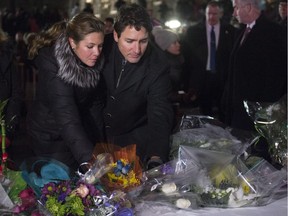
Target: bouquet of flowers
[(125, 171), (68, 197), (60, 193), (167, 185), (208, 133), (12, 186), (206, 178), (270, 121)]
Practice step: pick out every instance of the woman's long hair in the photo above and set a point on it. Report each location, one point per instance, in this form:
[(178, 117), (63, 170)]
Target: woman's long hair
[(45, 38), (76, 28)]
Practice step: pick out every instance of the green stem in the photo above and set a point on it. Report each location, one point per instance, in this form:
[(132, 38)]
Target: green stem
[(3, 132)]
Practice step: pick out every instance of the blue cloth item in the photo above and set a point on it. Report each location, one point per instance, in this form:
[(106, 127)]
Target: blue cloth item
[(38, 172)]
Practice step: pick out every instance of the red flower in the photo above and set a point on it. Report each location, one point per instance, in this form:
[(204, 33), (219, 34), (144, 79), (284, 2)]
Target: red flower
[(28, 200), (4, 157)]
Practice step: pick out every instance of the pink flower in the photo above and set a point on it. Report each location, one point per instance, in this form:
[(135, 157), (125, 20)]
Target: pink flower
[(82, 190), (28, 200)]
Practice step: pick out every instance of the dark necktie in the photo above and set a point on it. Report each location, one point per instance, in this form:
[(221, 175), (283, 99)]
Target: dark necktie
[(247, 30), (212, 50)]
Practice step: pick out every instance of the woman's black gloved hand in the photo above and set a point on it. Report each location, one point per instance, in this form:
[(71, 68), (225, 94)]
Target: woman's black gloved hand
[(153, 162)]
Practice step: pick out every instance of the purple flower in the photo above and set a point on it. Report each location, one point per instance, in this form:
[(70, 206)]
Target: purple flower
[(48, 189), (167, 169), (64, 187)]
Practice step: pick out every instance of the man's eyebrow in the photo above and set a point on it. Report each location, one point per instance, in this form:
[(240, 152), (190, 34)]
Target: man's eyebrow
[(132, 39)]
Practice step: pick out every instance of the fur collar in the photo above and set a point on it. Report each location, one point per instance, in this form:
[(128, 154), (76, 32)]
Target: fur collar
[(72, 70)]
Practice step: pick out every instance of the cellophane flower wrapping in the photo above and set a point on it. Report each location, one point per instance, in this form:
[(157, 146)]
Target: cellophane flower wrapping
[(206, 178), (61, 192), (11, 184), (126, 171), (270, 121), (166, 185), (72, 197), (208, 133)]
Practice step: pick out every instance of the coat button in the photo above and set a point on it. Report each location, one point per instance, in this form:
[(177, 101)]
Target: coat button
[(107, 126), (112, 97), (109, 114)]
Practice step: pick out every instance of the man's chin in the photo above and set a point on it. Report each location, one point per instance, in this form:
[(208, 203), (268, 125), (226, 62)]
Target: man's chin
[(133, 60)]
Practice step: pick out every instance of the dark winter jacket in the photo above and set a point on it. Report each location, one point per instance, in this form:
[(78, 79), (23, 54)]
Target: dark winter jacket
[(258, 72), (139, 111), (65, 120), (10, 88)]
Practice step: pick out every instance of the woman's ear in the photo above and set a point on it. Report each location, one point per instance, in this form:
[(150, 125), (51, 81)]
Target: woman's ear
[(72, 43)]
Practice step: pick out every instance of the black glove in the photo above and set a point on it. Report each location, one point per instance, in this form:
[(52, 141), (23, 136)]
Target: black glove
[(153, 162)]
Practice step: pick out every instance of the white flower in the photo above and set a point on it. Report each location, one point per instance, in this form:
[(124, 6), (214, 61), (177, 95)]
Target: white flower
[(183, 203), (238, 193), (82, 191), (169, 187), (90, 179)]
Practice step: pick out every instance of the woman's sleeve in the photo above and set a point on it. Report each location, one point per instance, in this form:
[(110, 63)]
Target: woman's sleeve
[(65, 109)]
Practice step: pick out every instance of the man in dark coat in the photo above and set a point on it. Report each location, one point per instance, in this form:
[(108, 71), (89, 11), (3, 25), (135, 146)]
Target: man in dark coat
[(206, 81), (138, 110), (258, 68)]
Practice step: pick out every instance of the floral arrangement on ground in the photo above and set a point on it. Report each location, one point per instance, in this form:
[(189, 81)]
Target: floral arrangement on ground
[(221, 180)]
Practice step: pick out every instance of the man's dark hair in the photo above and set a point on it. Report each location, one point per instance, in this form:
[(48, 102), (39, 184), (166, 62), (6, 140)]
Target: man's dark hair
[(214, 3), (132, 15)]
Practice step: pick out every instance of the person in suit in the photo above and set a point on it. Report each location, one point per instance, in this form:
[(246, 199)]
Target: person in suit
[(206, 79), (138, 110), (258, 68)]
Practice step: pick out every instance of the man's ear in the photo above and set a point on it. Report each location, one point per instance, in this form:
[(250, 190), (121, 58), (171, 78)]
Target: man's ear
[(115, 36)]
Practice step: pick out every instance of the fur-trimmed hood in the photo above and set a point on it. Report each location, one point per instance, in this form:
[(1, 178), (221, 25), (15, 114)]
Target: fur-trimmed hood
[(72, 70)]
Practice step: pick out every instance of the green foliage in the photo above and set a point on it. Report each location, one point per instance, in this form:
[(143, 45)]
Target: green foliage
[(18, 184), (71, 206)]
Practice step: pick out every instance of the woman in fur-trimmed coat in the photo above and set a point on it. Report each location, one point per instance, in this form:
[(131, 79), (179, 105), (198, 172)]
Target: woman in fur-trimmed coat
[(65, 119)]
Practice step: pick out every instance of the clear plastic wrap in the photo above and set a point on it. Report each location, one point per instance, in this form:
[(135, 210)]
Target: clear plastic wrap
[(208, 133), (204, 178), (270, 121)]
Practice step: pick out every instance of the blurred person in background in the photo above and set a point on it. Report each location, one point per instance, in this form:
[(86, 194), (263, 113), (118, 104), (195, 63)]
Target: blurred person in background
[(168, 41), (283, 12), (10, 86), (75, 10), (109, 25), (207, 59)]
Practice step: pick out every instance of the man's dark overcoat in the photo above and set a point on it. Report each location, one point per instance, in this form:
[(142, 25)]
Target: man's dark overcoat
[(138, 111), (258, 72)]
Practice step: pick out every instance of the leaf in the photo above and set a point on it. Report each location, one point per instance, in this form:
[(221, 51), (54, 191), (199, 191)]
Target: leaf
[(2, 106)]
